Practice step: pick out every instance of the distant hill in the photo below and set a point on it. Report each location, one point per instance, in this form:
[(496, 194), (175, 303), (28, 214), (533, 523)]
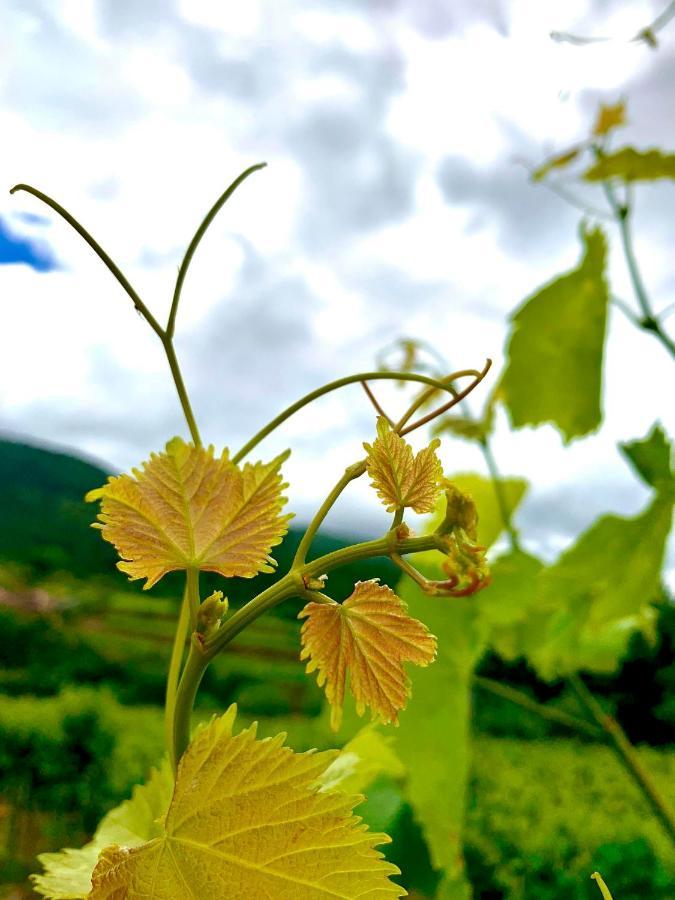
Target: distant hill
[(45, 525), (44, 521)]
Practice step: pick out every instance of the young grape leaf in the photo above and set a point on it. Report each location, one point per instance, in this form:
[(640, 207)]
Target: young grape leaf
[(247, 819), (67, 874), (368, 637), (630, 164), (400, 477), (189, 509), (651, 458), (609, 117), (555, 351)]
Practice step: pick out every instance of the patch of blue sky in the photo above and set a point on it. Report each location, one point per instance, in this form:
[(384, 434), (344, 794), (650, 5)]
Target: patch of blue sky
[(16, 248)]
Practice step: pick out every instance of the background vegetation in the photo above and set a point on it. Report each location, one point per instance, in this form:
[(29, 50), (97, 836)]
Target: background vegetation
[(513, 770)]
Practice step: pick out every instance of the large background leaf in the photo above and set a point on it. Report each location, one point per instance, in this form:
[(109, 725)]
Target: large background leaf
[(554, 355)]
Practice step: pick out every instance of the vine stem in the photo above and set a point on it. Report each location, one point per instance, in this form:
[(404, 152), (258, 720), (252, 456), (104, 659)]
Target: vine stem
[(172, 359), (649, 322), (198, 235), (491, 463), (292, 584), (165, 337), (177, 652), (627, 755), (498, 488), (506, 692), (357, 469), (351, 473), (339, 383)]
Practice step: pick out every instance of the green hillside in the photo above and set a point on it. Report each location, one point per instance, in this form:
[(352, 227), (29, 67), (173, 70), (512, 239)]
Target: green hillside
[(44, 522), (45, 526)]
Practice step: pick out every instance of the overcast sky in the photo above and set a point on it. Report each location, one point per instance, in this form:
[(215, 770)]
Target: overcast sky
[(393, 204)]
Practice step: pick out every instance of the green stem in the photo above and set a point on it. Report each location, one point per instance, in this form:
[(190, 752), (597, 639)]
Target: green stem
[(192, 588), (506, 692), (458, 396), (174, 674), (194, 243), (326, 389), (626, 310), (420, 401), (167, 343), (290, 585), (99, 251), (165, 337), (495, 478), (649, 321), (193, 673), (351, 473), (498, 487), (627, 755)]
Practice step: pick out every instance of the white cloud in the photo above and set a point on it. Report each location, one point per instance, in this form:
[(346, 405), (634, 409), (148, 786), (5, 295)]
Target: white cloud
[(392, 205)]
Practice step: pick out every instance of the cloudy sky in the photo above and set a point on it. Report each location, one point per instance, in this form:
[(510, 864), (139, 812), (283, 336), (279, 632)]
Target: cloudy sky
[(394, 203)]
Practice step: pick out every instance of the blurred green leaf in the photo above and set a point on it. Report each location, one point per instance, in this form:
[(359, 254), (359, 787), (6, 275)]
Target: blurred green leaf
[(651, 458), (67, 874), (599, 593), (367, 756), (510, 602), (555, 350), (432, 739), (464, 427), (615, 567), (630, 164)]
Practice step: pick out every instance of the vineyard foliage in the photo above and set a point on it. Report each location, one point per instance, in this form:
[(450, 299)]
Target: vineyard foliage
[(233, 815)]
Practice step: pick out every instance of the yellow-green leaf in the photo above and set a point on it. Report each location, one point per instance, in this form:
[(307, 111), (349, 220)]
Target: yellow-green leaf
[(368, 638), (400, 477), (247, 819), (67, 874), (556, 162), (609, 116), (188, 509), (599, 592), (433, 739), (630, 164), (651, 458), (555, 349)]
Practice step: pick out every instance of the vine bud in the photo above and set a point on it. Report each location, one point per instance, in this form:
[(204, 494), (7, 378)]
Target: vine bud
[(460, 512), (211, 613), (314, 584)]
